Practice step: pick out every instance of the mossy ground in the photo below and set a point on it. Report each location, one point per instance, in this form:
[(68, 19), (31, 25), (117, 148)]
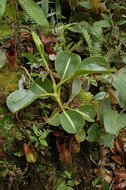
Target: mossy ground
[(9, 80)]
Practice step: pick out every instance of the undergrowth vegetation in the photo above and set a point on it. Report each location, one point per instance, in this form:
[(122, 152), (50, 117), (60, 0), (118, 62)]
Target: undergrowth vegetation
[(62, 83)]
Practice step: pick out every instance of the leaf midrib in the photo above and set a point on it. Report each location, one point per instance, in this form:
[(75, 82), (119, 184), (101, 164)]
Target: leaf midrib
[(68, 63), (70, 121)]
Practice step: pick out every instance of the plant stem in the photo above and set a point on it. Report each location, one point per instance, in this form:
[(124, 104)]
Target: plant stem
[(49, 71)]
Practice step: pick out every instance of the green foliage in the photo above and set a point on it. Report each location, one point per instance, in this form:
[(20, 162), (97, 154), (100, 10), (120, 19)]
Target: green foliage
[(105, 185), (20, 99), (64, 186), (88, 112), (6, 126), (41, 88), (76, 87), (80, 135), (35, 12), (86, 5), (113, 122), (54, 119), (83, 97), (2, 7), (119, 81), (40, 137), (69, 121), (79, 93), (67, 65)]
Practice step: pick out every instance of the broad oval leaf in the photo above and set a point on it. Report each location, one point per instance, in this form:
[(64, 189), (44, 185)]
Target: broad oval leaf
[(71, 121), (66, 64), (35, 12), (88, 112), (20, 99), (40, 88), (113, 121), (90, 65), (100, 96)]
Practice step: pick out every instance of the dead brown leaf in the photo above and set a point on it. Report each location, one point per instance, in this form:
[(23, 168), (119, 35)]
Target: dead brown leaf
[(117, 159), (120, 173), (120, 186), (119, 146)]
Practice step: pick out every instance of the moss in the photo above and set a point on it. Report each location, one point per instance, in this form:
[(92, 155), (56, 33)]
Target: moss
[(83, 97), (9, 80)]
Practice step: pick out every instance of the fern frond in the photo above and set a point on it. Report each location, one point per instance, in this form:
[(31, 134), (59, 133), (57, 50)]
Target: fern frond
[(96, 50), (112, 53), (35, 12)]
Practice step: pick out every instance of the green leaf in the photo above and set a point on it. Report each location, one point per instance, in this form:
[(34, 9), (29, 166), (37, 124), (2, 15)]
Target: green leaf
[(93, 133), (20, 99), (124, 58), (102, 23), (66, 64), (42, 141), (38, 43), (36, 131), (35, 12), (71, 121), (81, 135), (90, 65), (40, 88), (76, 87), (96, 31), (113, 121), (96, 182), (119, 82), (100, 96), (3, 58), (58, 8), (76, 28), (2, 7), (86, 5), (54, 119), (122, 100), (105, 185), (106, 139), (45, 7), (63, 186), (88, 112), (121, 22)]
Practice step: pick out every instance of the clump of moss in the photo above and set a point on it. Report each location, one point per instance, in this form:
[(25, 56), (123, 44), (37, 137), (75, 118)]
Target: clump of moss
[(9, 80), (83, 97)]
